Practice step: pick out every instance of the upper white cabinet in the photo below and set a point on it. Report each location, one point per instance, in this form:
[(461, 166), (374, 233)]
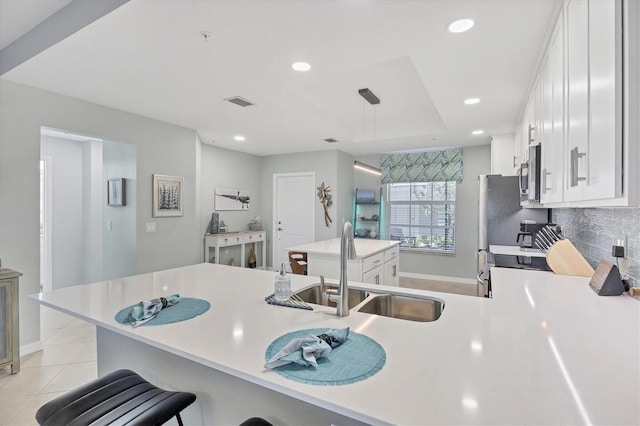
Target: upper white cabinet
[(604, 150), (552, 134), (575, 108), (593, 167), (503, 161)]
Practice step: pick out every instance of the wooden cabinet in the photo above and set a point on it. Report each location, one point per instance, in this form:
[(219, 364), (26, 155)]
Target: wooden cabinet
[(9, 325), (242, 241)]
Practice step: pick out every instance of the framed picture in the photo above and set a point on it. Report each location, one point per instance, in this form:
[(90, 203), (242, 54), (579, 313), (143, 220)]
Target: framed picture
[(167, 195), (116, 192), (232, 199)]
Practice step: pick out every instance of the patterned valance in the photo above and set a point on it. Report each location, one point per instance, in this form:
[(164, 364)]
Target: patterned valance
[(428, 166)]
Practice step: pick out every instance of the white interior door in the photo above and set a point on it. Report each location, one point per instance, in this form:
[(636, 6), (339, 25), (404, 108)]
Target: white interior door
[(293, 213)]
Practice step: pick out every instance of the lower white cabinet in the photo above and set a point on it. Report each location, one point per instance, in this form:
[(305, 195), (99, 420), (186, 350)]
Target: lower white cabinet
[(378, 268), (374, 276), (392, 272)]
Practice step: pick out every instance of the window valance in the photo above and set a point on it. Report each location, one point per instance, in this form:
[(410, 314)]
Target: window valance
[(427, 166)]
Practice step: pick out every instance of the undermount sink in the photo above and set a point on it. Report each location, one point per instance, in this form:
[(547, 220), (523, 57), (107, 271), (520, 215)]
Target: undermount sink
[(404, 307), (313, 295)]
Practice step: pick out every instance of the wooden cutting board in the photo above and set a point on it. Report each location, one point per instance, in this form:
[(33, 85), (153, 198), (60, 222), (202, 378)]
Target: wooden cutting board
[(564, 259)]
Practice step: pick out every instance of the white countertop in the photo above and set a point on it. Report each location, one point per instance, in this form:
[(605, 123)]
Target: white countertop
[(364, 247), (516, 251), (545, 350)]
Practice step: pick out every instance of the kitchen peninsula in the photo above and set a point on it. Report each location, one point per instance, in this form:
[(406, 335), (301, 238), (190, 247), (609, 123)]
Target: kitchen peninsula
[(377, 261), (535, 354)]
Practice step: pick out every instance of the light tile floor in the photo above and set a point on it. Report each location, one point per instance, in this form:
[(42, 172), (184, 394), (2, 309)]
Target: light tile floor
[(68, 360)]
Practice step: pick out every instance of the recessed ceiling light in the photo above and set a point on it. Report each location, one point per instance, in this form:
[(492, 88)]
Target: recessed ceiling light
[(461, 25), (239, 138), (471, 101), (301, 66), (477, 132)]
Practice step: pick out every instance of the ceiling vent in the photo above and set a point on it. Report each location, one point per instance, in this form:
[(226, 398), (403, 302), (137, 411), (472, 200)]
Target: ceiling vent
[(330, 140), (239, 101)]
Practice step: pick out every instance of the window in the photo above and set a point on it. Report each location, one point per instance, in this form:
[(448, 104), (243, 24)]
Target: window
[(423, 215)]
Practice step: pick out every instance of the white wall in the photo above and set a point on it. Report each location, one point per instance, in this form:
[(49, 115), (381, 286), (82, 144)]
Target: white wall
[(325, 165), (67, 212), (476, 161), (92, 190), (119, 242), (222, 168), (344, 191), (161, 148)]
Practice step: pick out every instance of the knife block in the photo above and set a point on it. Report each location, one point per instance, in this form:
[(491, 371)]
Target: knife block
[(606, 280), (564, 259)]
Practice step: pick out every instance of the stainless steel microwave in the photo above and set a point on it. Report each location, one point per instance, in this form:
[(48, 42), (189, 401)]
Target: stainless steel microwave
[(529, 175)]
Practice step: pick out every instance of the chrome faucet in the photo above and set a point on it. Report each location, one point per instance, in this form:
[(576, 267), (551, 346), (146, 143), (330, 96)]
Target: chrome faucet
[(347, 251)]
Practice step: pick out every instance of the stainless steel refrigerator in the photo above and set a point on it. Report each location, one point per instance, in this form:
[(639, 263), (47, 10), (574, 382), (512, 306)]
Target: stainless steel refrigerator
[(499, 219)]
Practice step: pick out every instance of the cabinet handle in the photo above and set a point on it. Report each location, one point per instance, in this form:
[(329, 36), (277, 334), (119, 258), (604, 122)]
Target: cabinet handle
[(376, 261), (575, 155), (515, 161), (394, 271), (532, 129), (545, 173)]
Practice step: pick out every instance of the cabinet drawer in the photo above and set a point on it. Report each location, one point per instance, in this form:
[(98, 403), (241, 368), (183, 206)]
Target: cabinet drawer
[(391, 253), (368, 263), (228, 240), (253, 237)]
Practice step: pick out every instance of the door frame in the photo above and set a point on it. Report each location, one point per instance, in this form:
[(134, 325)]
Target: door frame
[(274, 212), (47, 280)]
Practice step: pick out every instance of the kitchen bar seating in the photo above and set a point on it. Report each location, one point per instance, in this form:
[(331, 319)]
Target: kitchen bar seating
[(119, 398)]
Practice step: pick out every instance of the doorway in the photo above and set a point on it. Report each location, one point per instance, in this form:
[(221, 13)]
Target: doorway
[(293, 213)]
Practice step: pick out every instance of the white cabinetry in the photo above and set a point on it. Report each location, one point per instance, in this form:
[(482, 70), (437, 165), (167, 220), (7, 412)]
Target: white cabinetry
[(379, 266), (374, 276), (503, 160), (392, 266), (552, 140), (593, 153), (575, 109), (239, 240)]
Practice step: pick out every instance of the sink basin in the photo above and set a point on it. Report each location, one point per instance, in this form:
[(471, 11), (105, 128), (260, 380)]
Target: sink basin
[(404, 307), (313, 295)]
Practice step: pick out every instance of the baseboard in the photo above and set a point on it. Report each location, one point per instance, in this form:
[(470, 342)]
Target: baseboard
[(31, 348), (456, 280)]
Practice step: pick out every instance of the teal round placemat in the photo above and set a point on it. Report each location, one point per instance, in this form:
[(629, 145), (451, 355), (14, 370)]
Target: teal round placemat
[(358, 358), (186, 308)]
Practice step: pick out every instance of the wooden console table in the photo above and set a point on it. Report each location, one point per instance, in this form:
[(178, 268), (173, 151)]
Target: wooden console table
[(242, 239), (9, 326)]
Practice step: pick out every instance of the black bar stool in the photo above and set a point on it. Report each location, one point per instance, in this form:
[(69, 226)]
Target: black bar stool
[(119, 398)]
